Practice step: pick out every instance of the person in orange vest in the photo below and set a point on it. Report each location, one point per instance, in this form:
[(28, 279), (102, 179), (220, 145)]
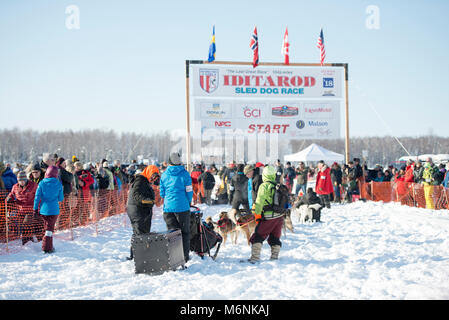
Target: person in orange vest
[(141, 199)]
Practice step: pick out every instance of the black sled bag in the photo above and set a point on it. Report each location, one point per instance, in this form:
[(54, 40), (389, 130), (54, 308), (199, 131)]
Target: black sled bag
[(202, 237), (155, 253)]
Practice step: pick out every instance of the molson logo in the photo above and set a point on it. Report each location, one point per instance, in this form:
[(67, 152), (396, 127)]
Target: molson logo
[(284, 111), (318, 123)]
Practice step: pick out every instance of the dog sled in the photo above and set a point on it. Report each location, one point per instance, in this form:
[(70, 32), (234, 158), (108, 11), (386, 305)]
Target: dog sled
[(202, 237)]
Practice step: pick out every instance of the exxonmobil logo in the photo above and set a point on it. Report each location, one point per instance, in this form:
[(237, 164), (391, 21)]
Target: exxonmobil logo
[(222, 124), (268, 81)]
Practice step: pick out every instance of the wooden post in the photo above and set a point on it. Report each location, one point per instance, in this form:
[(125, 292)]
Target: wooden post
[(188, 160), (346, 115)]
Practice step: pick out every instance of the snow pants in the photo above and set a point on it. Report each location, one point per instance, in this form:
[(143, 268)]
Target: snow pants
[(268, 228), (180, 220)]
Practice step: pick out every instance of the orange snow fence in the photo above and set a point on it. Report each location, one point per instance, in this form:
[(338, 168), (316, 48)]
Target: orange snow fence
[(17, 223), (410, 194)]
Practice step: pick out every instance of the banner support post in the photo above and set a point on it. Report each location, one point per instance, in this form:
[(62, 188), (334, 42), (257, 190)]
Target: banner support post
[(188, 160)]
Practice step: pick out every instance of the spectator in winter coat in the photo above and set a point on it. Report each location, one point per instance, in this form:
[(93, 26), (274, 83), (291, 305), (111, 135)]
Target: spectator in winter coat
[(279, 171), (336, 177), (446, 176), (207, 181), (48, 194), (408, 176), (65, 177), (2, 169), (22, 195), (36, 175), (387, 175), (195, 185), (109, 174), (85, 180), (301, 178), (257, 180), (289, 176), (418, 172), (248, 171), (48, 159), (380, 177), (8, 177), (428, 182), (323, 185), (141, 199), (238, 192), (439, 174), (177, 192)]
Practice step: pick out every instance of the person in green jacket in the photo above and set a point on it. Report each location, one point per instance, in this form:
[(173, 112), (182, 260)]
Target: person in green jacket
[(269, 217)]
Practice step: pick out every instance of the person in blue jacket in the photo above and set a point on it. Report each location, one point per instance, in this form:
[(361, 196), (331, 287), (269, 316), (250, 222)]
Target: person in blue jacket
[(176, 190), (8, 177), (46, 202)]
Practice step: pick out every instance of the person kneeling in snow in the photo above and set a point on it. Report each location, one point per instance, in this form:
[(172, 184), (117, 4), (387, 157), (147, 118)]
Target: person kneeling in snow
[(308, 199)]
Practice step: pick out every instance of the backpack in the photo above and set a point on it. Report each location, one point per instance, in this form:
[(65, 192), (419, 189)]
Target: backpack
[(280, 201)]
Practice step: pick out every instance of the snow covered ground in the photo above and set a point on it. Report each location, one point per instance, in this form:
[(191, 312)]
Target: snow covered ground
[(360, 251)]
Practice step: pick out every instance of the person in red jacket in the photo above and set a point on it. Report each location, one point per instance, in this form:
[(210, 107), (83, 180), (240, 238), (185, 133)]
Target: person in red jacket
[(323, 186), (22, 196), (81, 213), (195, 184), (408, 176)]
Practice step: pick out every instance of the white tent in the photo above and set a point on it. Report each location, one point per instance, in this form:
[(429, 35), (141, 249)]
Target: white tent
[(315, 152)]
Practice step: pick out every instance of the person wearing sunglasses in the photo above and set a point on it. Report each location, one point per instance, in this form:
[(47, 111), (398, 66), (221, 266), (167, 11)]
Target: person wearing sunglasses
[(140, 203)]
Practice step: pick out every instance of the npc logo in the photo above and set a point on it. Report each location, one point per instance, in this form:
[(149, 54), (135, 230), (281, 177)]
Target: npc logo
[(209, 79)]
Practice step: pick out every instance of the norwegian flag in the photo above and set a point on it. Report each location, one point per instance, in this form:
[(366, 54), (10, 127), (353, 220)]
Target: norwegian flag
[(285, 45), (320, 46), (254, 45)]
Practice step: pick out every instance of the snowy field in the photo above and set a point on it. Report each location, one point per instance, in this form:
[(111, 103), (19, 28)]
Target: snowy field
[(360, 251)]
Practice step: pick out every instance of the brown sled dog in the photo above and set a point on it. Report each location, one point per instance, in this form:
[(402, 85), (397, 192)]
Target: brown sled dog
[(245, 222), (225, 226)]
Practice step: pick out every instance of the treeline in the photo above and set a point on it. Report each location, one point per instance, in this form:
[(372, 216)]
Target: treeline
[(382, 150), (88, 145), (93, 145)]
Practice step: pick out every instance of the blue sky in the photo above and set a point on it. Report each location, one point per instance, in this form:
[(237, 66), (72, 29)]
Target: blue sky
[(124, 69)]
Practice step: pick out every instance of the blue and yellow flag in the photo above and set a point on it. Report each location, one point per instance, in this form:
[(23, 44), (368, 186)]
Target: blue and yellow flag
[(212, 48)]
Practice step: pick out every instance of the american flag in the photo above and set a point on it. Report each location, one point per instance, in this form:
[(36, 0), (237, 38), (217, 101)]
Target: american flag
[(321, 47), (254, 45)]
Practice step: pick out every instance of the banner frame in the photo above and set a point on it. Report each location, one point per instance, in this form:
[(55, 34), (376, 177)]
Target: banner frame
[(243, 63)]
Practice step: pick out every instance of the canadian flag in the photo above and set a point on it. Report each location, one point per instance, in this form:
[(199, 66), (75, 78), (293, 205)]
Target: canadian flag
[(285, 45)]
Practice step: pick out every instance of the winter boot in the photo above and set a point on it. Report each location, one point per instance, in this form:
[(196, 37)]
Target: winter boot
[(256, 248), (275, 249)]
